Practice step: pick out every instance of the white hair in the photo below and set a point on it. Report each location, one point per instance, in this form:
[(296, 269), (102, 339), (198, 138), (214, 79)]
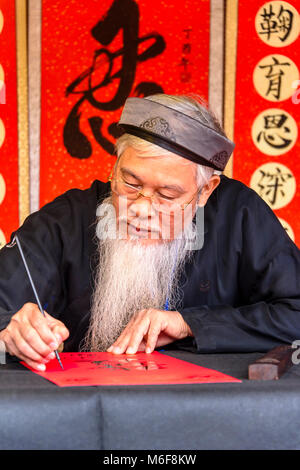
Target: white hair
[(191, 105)]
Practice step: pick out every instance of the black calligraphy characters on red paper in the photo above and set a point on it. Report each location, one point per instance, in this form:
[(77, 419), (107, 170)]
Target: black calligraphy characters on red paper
[(275, 131), (278, 23), (106, 76), (185, 63), (272, 184), (274, 75), (128, 364)]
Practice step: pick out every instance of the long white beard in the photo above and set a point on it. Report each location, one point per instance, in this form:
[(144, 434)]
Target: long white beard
[(132, 276)]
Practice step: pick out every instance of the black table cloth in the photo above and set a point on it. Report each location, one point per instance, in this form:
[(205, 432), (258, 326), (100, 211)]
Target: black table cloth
[(37, 414)]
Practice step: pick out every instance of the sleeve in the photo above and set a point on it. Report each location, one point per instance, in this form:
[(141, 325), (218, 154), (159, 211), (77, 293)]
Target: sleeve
[(268, 282), (42, 237)]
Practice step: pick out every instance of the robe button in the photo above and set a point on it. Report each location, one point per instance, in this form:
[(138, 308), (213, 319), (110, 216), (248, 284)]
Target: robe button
[(204, 285)]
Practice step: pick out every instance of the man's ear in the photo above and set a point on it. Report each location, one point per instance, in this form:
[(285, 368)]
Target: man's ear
[(208, 189)]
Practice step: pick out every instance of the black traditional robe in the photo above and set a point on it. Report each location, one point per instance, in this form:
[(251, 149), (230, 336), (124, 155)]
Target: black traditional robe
[(241, 291)]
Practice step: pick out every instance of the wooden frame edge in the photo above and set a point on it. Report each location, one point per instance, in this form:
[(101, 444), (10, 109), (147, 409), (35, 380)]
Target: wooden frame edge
[(231, 29), (22, 91)]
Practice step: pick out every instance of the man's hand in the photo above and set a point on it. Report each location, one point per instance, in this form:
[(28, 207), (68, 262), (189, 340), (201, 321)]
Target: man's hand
[(148, 329), (33, 337)]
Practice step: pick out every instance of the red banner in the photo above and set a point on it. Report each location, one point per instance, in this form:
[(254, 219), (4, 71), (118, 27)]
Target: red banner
[(97, 54), (9, 205), (267, 106)]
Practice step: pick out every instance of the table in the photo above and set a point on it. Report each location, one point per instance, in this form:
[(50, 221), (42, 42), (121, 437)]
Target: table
[(36, 414)]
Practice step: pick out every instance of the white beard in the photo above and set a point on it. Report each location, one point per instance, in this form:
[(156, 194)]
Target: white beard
[(132, 276)]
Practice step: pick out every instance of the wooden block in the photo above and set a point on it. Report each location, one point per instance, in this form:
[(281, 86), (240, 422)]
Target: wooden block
[(273, 365)]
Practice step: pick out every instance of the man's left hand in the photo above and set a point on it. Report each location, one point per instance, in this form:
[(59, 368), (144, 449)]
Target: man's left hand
[(149, 329)]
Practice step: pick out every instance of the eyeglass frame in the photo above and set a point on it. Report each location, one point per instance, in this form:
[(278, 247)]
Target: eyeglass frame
[(151, 197)]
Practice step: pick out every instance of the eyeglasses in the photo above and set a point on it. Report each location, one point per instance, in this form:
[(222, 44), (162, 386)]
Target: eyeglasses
[(160, 203)]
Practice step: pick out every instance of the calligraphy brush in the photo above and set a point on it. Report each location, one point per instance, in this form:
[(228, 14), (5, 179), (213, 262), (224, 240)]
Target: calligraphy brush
[(15, 239)]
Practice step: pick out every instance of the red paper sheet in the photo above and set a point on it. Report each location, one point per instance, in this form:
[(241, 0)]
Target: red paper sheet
[(139, 369)]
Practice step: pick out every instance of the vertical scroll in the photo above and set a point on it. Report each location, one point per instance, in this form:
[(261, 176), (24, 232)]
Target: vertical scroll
[(9, 150), (93, 59), (262, 102)]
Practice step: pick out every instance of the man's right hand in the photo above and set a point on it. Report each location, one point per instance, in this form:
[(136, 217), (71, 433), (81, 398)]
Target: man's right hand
[(33, 337)]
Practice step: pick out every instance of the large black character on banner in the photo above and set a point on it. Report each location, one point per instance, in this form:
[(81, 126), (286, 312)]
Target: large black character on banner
[(122, 15)]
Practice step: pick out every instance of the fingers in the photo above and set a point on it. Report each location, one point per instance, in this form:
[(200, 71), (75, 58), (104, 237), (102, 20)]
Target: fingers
[(24, 352), (135, 337), (153, 334), (59, 330), (132, 336), (33, 337), (24, 347), (149, 329), (35, 333), (144, 328)]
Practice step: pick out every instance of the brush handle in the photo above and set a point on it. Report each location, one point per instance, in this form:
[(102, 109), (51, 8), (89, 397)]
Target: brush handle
[(34, 289)]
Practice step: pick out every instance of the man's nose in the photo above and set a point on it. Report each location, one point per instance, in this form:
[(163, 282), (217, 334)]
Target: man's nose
[(141, 207)]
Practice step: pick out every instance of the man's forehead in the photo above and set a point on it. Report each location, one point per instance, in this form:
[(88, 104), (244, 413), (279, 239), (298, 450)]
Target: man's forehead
[(175, 169), (166, 184), (131, 154)]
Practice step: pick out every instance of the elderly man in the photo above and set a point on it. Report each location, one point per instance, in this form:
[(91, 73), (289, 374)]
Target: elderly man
[(169, 252)]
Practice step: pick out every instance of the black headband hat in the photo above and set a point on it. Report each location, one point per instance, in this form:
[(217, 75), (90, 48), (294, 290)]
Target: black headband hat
[(176, 132)]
